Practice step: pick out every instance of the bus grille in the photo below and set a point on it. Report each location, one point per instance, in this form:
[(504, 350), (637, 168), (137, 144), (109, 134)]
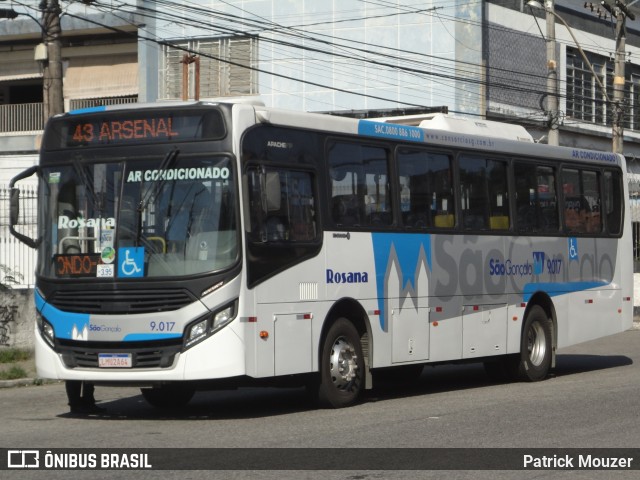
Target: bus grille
[(155, 357), (121, 301)]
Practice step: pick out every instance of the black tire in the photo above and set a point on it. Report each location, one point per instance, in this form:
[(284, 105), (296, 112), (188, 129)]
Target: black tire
[(341, 366), (168, 396), (536, 346)]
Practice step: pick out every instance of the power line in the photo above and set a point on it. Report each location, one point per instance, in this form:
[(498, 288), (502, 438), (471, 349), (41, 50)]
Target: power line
[(453, 76), (422, 66)]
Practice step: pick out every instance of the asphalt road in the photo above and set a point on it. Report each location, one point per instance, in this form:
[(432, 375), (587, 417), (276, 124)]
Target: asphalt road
[(591, 401)]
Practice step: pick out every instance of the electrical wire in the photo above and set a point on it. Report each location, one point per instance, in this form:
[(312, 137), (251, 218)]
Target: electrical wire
[(455, 74), (423, 67)]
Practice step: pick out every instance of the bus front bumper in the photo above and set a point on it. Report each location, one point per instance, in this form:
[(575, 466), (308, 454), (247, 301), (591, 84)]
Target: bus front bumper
[(219, 356)]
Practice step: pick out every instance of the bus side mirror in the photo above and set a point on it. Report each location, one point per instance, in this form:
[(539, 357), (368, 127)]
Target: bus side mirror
[(14, 208)]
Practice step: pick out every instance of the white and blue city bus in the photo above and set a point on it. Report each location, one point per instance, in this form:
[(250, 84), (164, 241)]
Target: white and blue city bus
[(184, 246)]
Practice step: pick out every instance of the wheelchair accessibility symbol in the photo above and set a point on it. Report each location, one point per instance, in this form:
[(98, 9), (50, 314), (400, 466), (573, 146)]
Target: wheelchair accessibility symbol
[(573, 248), (131, 262)]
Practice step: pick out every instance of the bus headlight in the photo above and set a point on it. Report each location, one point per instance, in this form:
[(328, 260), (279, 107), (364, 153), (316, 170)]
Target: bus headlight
[(206, 326), (223, 317), (196, 332), (46, 329)]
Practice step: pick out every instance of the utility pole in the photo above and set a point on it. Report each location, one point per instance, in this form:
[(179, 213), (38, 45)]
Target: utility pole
[(622, 12), (618, 84), (552, 77), (52, 71), (188, 59), (618, 10)]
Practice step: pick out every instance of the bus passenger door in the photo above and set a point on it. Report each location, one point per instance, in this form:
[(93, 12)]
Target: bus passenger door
[(484, 330)]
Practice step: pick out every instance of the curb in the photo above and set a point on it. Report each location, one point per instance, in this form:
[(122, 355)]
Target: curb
[(26, 382), (19, 382)]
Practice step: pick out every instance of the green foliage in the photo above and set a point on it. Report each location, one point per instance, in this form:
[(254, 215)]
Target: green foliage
[(13, 373), (11, 355)]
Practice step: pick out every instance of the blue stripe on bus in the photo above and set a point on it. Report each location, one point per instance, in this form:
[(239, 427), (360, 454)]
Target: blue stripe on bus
[(408, 251), (80, 111), (390, 130), (561, 288), (141, 337), (62, 322)]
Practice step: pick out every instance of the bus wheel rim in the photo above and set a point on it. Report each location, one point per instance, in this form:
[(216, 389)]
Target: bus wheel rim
[(536, 344), (343, 363)]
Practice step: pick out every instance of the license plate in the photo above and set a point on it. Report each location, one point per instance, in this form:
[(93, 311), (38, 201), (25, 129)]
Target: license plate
[(114, 360)]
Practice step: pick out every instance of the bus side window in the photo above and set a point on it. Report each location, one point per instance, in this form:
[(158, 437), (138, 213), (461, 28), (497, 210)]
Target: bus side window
[(281, 206), (426, 189), (536, 199), (360, 190), (581, 201), (525, 196), (575, 214), (484, 193), (498, 195), (612, 200)]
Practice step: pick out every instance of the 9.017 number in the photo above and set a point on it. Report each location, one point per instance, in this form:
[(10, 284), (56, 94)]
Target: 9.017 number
[(162, 326)]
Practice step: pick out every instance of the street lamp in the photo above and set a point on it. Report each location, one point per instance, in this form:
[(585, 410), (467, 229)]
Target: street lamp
[(537, 5), (617, 133)]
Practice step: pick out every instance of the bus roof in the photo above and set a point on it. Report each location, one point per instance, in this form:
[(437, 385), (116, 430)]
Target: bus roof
[(442, 131), (434, 129)]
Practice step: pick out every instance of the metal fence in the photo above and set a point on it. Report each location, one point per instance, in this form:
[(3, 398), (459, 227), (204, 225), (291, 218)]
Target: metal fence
[(23, 117), (29, 117), (76, 104), (17, 261)]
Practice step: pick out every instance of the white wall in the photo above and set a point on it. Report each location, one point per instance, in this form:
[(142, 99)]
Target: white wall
[(12, 164)]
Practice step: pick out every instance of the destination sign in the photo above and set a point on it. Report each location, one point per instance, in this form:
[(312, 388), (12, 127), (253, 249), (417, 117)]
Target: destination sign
[(110, 131), (134, 127), (76, 265)]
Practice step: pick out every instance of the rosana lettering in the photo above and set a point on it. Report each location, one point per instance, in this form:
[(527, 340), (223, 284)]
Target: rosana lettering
[(99, 222), (347, 277)]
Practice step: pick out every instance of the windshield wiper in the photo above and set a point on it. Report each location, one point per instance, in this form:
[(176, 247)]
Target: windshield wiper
[(153, 190)]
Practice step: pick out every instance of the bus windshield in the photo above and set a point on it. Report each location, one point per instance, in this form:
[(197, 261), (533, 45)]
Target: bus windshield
[(150, 217)]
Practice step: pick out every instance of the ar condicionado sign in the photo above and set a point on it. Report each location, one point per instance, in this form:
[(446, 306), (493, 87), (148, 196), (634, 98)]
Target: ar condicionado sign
[(117, 131)]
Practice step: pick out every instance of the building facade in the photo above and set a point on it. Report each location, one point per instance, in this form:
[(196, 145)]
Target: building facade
[(484, 59)]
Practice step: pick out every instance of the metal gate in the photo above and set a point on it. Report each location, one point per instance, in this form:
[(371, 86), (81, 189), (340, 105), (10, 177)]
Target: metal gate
[(17, 261)]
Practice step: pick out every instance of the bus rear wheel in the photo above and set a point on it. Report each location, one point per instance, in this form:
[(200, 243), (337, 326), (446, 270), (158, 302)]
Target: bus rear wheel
[(168, 396), (341, 366), (536, 346)]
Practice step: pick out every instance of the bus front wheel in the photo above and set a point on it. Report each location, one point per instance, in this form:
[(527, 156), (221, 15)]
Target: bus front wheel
[(341, 366), (536, 346)]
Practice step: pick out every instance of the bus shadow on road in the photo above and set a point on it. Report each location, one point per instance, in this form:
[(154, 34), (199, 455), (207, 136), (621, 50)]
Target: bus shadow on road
[(246, 403), (571, 364), (458, 377), (211, 405)]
